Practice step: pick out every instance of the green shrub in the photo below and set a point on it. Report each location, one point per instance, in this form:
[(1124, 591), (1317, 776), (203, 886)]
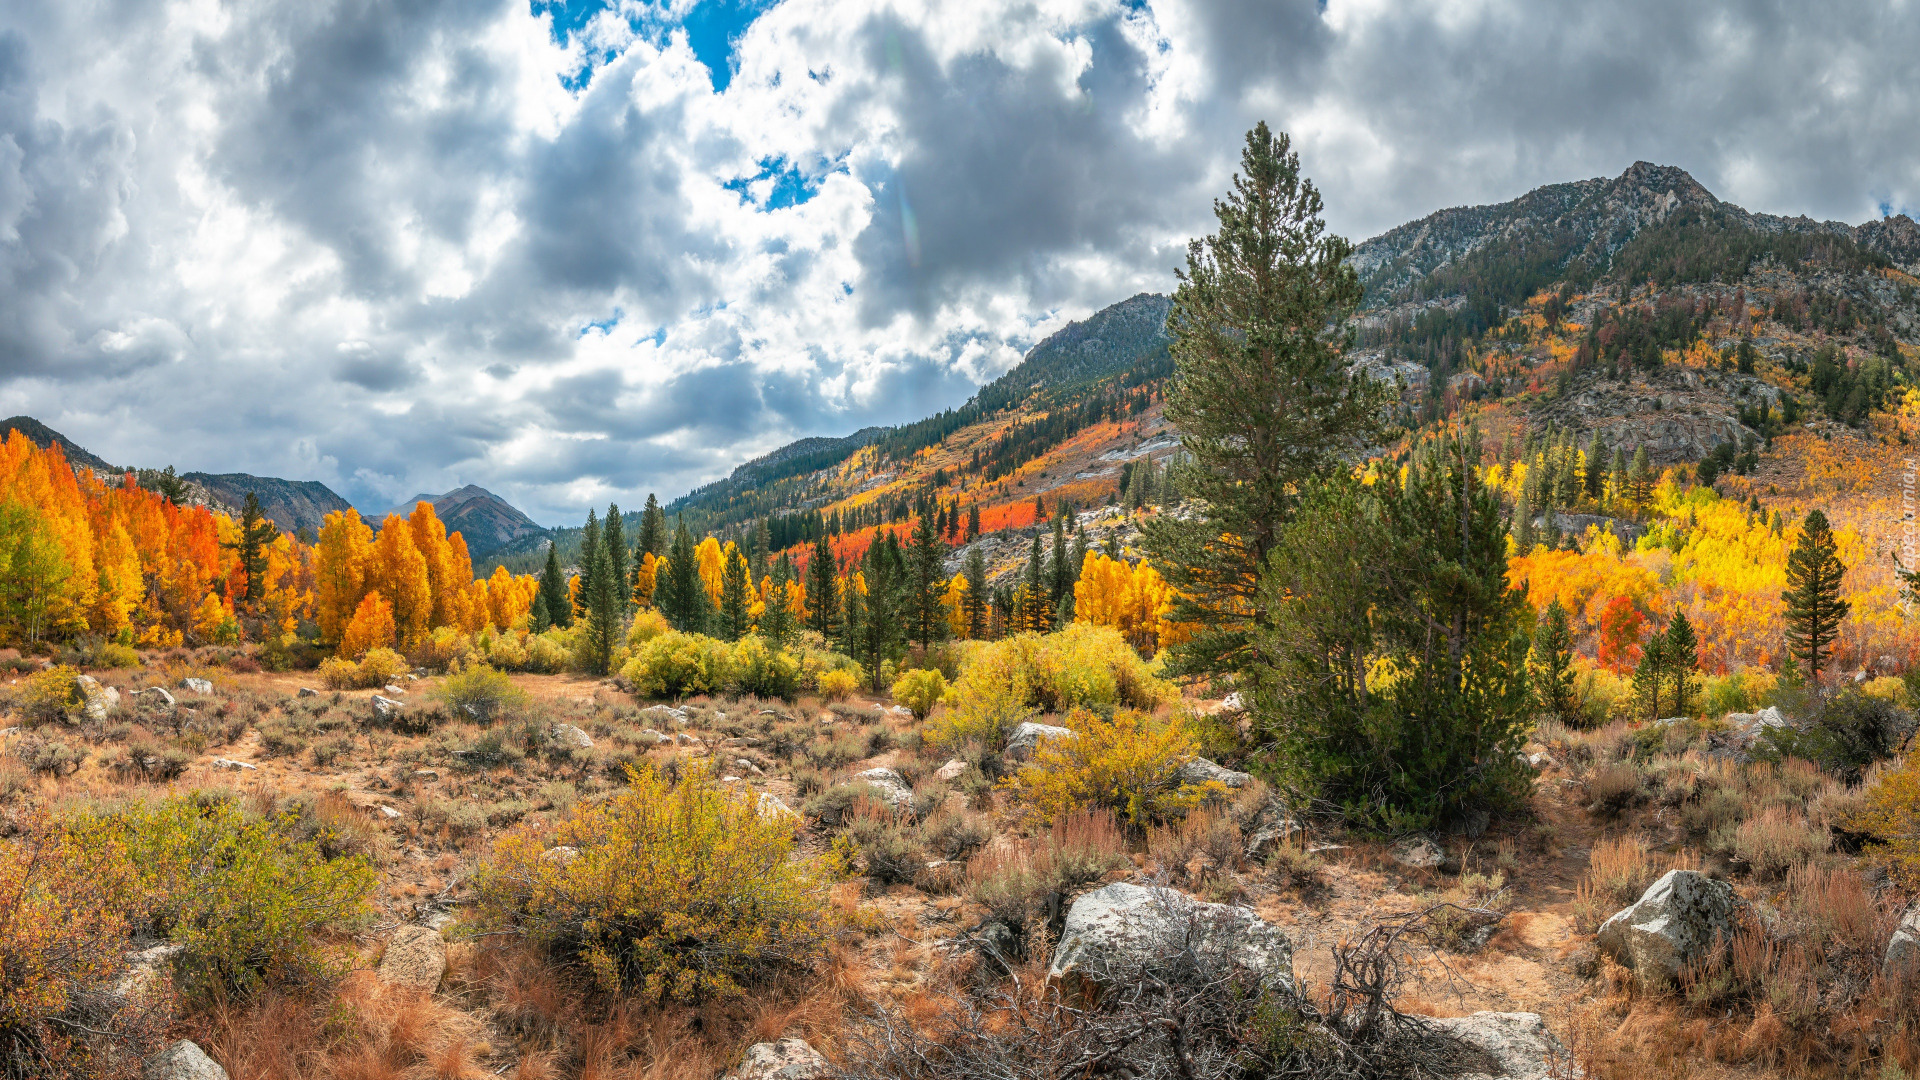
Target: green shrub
[(887, 849), (112, 654), (677, 665), (755, 668), (1003, 682), (549, 653), (919, 691), (681, 891), (51, 756), (479, 693), (1851, 731)]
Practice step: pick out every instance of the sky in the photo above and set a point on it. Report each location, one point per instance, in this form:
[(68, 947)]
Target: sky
[(576, 251)]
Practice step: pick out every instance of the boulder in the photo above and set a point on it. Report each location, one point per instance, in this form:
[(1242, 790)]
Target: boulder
[(891, 785), (234, 766), (1123, 926), (1517, 1045), (1270, 829), (1903, 952), (563, 854), (788, 1059), (386, 812), (1674, 922), (98, 698), (425, 776), (1745, 728), (1026, 739), (1417, 853), (306, 691), (771, 806), (393, 690), (147, 972), (155, 695), (1202, 771), (568, 735), (183, 1060), (384, 707), (196, 686), (665, 713), (950, 771), (416, 957)]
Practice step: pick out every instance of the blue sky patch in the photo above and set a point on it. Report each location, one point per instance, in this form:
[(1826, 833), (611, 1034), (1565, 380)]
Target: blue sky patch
[(790, 188), (713, 30), (569, 16)]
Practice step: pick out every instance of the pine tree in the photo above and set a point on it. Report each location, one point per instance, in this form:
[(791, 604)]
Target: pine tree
[(776, 617), (1651, 676), (1553, 662), (601, 596), (1035, 611), (614, 539), (1596, 469), (553, 590), (926, 616), (256, 533), (1639, 478), (735, 598), (1523, 532), (823, 592), (589, 543), (1077, 557), (680, 595), (973, 523), (1682, 650), (537, 619), (653, 529), (978, 601), (1260, 394), (1059, 581), (879, 638), (762, 550), (1619, 475), (1814, 607)]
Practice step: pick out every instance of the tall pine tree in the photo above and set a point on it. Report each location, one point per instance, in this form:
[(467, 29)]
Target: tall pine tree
[(1553, 662), (680, 595), (553, 590), (978, 601), (602, 597), (1683, 659), (823, 589), (1260, 393), (926, 616), (736, 597), (1814, 607), (589, 543), (614, 539)]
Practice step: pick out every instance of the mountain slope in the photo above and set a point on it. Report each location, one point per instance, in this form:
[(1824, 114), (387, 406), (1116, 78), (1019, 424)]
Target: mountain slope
[(486, 521), (44, 436), (291, 504)]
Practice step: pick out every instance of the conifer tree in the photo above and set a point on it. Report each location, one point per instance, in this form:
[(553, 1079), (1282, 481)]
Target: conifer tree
[(1619, 474), (776, 617), (537, 620), (978, 601), (973, 523), (1035, 611), (1814, 607), (762, 550), (1650, 677), (1596, 468), (553, 590), (823, 591), (1059, 581), (680, 595), (256, 533), (1639, 478), (601, 596), (735, 598), (879, 636), (589, 543), (653, 529), (1261, 395), (1523, 532), (1682, 650), (614, 539), (1553, 662), (926, 617)]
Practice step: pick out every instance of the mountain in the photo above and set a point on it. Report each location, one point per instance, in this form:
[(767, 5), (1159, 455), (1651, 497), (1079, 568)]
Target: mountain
[(44, 436), (293, 505), (487, 521)]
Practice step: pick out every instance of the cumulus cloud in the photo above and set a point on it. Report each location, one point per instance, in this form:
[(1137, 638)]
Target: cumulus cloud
[(403, 247)]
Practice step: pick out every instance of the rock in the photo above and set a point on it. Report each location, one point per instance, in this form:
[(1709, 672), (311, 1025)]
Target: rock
[(665, 713), (98, 698), (1471, 824), (396, 691), (306, 691), (770, 806), (1518, 1045), (891, 785), (197, 686), (1235, 702), (1673, 923), (568, 735), (1122, 926), (1745, 728), (234, 766), (564, 855), (386, 707), (951, 771), (155, 695), (1540, 761), (998, 941), (387, 812), (1271, 828), (1418, 853), (416, 957), (788, 1059), (424, 775), (1903, 952), (1202, 771), (146, 972), (183, 1060), (1026, 738)]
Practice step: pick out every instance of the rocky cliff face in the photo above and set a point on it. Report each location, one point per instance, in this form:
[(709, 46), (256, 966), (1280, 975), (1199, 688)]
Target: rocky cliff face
[(1678, 414), (291, 504)]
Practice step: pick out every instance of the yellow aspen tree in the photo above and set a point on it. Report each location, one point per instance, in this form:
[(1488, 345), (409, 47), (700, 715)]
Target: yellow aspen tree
[(372, 627), (954, 601), (430, 537), (399, 571), (645, 578), (713, 565), (340, 565)]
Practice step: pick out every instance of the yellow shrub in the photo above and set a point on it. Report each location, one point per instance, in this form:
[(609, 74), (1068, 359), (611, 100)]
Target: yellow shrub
[(505, 651), (338, 674), (757, 668), (1130, 764), (380, 667), (50, 696), (678, 891), (675, 664), (838, 685), (1891, 815), (1003, 682), (478, 692), (549, 653), (647, 625), (920, 691)]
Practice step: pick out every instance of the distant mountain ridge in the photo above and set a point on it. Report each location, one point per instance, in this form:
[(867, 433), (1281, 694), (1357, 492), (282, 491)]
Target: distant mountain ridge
[(486, 521), (293, 505), (44, 436)]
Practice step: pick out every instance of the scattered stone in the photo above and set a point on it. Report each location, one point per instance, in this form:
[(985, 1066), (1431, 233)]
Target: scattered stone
[(891, 785), (183, 1060), (1903, 952), (1744, 729), (386, 707), (1673, 923), (770, 806), (98, 698), (564, 855), (1202, 771), (748, 766), (387, 812), (665, 713), (416, 957), (197, 686), (146, 972), (306, 691), (568, 735), (729, 779), (1418, 853), (427, 775), (1026, 739), (1235, 702), (234, 766), (396, 691), (1540, 761), (1518, 1045), (950, 771), (788, 1059), (1119, 926), (1270, 829), (159, 695)]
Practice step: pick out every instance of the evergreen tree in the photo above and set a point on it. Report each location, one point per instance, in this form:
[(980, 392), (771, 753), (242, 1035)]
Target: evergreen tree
[(614, 539), (553, 590), (1814, 607), (1650, 677), (653, 530), (1077, 558), (1059, 581), (1553, 662), (1035, 611), (1596, 469), (1523, 532), (601, 596), (680, 594), (762, 551), (1619, 474), (589, 543), (879, 638), (537, 619), (973, 523), (926, 616), (1639, 478), (978, 601), (1260, 393), (257, 532), (823, 589), (1682, 659), (776, 617), (736, 598)]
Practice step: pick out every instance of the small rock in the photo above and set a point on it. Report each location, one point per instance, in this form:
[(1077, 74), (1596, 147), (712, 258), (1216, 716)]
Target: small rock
[(1540, 761), (416, 957), (950, 771), (568, 735), (770, 806), (1673, 923), (306, 691), (563, 854), (729, 779), (146, 972), (666, 713), (788, 1059), (396, 691), (1235, 702), (183, 1060), (155, 694), (1026, 739), (197, 686), (1418, 853), (891, 785), (427, 775), (387, 812), (233, 766), (1202, 771), (1904, 950), (98, 698), (1123, 924), (386, 707), (1271, 828), (1518, 1044)]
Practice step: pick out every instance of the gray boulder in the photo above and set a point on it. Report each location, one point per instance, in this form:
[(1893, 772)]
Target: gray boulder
[(1518, 1045), (416, 957), (665, 714), (306, 691), (1903, 952), (891, 785), (1673, 923), (772, 806), (950, 771), (155, 695), (147, 973), (568, 735), (98, 698), (384, 707), (196, 686), (1117, 930), (1026, 739), (1202, 771), (788, 1059), (183, 1060), (1417, 853)]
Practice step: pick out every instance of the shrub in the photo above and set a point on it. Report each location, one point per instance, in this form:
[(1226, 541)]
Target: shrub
[(755, 668), (1079, 849), (446, 649), (249, 901), (338, 674), (647, 625), (920, 691), (1776, 840), (52, 696), (1613, 788), (1851, 731), (478, 692), (955, 834), (1130, 764), (50, 756), (380, 667), (684, 890), (838, 684), (1890, 817), (112, 654), (1003, 682), (674, 664), (886, 845), (548, 653)]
